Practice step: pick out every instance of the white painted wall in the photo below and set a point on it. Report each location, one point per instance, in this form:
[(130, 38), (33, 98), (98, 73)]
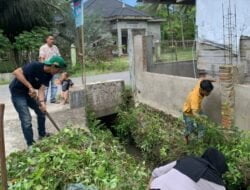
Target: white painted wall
[(209, 19)]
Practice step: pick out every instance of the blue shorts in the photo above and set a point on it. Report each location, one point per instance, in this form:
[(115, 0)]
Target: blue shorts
[(192, 126)]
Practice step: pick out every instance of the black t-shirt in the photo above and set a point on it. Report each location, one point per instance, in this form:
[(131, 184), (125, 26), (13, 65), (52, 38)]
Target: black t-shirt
[(35, 74), (66, 84)]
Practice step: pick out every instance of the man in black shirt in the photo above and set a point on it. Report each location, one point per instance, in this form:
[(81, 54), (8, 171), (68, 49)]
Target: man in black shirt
[(28, 85)]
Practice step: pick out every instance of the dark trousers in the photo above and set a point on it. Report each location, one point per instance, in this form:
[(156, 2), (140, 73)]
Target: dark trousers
[(22, 103)]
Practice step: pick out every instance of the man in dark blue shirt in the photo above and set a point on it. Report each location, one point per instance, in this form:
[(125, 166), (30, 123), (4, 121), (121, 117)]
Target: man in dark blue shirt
[(27, 87)]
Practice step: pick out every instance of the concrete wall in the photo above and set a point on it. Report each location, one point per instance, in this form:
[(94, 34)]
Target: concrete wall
[(154, 29), (245, 55), (181, 68), (6, 76), (130, 25), (166, 92), (104, 97), (242, 106)]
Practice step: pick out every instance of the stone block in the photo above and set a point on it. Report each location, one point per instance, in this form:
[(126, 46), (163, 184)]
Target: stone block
[(77, 97), (104, 97)]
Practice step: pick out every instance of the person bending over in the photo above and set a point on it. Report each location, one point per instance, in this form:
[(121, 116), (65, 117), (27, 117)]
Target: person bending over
[(192, 108), (29, 79), (191, 173)]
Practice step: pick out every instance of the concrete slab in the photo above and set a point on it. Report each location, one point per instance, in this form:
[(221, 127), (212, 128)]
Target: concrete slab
[(14, 140)]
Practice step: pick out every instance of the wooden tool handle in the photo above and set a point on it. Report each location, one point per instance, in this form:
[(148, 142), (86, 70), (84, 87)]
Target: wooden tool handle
[(2, 149)]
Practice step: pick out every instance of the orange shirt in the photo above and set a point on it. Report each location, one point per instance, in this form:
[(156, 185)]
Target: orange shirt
[(193, 101)]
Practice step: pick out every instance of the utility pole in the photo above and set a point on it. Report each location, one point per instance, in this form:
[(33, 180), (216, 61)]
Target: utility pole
[(79, 20)]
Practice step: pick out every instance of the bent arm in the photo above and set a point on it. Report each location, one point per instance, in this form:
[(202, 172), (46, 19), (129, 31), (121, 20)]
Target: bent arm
[(18, 73), (163, 170)]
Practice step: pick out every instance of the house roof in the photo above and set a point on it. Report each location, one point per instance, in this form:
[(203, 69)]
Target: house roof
[(187, 2), (113, 8)]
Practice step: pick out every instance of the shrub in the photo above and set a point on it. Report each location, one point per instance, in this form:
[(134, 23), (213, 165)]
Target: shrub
[(74, 156), (5, 54), (28, 43), (160, 138)]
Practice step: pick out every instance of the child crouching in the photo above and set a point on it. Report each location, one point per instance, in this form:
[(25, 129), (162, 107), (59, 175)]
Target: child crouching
[(66, 83)]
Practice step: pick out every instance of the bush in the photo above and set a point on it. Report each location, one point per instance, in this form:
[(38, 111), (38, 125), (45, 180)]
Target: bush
[(5, 54), (28, 43), (161, 140), (74, 156)]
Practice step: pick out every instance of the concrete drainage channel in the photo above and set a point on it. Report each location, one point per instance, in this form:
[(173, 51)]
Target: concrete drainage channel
[(108, 122), (103, 98)]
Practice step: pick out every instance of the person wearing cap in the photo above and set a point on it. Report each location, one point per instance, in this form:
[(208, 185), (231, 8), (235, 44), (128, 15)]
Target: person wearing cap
[(192, 173), (192, 107), (47, 51), (28, 87)]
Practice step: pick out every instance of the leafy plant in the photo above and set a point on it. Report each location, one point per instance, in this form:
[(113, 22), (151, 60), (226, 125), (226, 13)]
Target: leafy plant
[(27, 44), (74, 156), (160, 138), (31, 41), (5, 54), (5, 44)]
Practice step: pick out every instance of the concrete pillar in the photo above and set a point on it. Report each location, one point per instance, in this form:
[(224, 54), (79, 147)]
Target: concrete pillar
[(157, 51), (73, 55), (119, 40), (227, 81), (131, 58)]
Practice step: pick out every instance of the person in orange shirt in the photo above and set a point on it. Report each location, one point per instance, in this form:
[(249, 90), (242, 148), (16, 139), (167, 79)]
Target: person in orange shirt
[(192, 107)]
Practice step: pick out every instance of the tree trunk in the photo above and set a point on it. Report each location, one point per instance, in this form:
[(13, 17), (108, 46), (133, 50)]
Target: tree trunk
[(16, 57), (182, 33)]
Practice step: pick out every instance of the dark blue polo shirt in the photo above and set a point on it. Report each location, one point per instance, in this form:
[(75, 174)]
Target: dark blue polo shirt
[(35, 74)]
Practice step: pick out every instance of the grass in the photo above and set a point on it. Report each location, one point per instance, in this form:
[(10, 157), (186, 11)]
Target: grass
[(118, 64), (4, 82), (180, 55)]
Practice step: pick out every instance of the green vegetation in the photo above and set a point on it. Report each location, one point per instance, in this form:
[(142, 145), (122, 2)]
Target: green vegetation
[(118, 64), (3, 82), (28, 43), (160, 139), (5, 54), (19, 16), (21, 20), (179, 21), (99, 159), (98, 39), (176, 54), (74, 156), (6, 67)]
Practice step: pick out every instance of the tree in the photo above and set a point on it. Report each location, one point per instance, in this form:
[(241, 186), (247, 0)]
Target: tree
[(179, 19), (98, 39), (17, 16)]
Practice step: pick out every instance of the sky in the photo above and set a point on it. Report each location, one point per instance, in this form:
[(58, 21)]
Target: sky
[(130, 2)]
